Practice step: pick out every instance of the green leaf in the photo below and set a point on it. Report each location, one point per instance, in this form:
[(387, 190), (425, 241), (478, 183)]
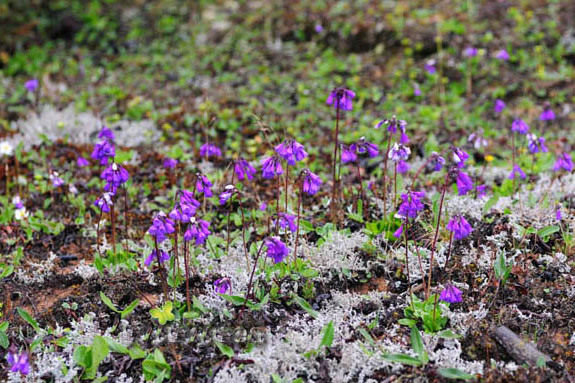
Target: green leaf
[(403, 359), (448, 334), (4, 326), (417, 345), (236, 300), (4, 342), (547, 231), (116, 346), (407, 322), (367, 336), (28, 318), (136, 352), (99, 352), (83, 356), (490, 203), (163, 314), (225, 349), (306, 306), (128, 310), (328, 334), (454, 373), (6, 271), (108, 302), (198, 305)]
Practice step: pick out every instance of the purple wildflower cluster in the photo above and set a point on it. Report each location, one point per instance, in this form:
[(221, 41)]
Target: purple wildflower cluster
[(341, 99), (459, 226)]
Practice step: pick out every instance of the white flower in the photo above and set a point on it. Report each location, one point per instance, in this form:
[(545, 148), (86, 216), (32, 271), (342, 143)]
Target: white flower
[(6, 148), (21, 214)]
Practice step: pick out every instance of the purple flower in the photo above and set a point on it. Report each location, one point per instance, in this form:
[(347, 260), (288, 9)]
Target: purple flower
[(263, 206), (184, 210), (161, 227), (17, 202), (187, 197), (499, 106), (416, 90), (470, 52), (399, 231), (399, 152), (437, 161), (450, 294), (277, 250), (318, 28), (197, 230), (170, 163), (347, 154), (430, 66), (519, 126), (459, 157), (18, 363), (103, 150), (243, 169), (478, 140), (411, 204), (547, 114), (340, 98), (481, 191), (56, 180), (271, 167), (228, 192), (558, 216), (115, 175), (502, 55), (311, 182), (362, 146), (203, 185), (287, 220), (81, 162), (392, 125), (402, 167), (31, 85), (104, 202), (209, 150), (464, 183), (459, 226), (291, 151), (159, 256), (222, 285), (536, 145), (563, 161), (516, 171), (106, 133)]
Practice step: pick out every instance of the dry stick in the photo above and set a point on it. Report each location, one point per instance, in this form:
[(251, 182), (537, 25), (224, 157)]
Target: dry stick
[(278, 205), (244, 232), (448, 251), (334, 189), (112, 214), (513, 161), (98, 234), (125, 219), (407, 260), (229, 213), (395, 186), (251, 277), (385, 175), (186, 267), (162, 270), (176, 263), (360, 183), (436, 232), (287, 186), (298, 217), (16, 168)]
